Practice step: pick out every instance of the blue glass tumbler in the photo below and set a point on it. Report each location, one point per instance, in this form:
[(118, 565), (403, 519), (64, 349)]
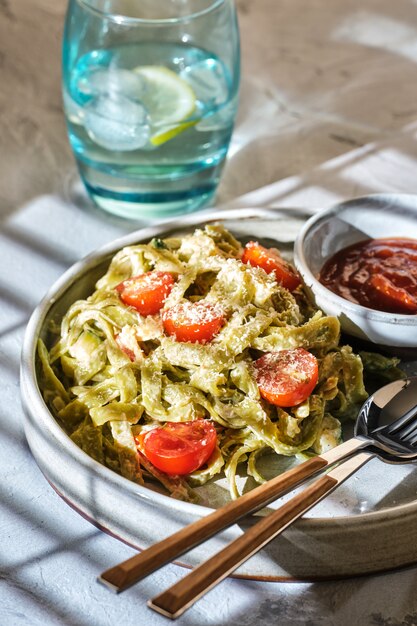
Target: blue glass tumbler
[(150, 91)]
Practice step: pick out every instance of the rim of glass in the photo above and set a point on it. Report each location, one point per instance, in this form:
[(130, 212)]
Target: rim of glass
[(125, 19)]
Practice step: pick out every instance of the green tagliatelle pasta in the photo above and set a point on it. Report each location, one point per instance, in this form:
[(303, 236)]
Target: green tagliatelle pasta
[(104, 396)]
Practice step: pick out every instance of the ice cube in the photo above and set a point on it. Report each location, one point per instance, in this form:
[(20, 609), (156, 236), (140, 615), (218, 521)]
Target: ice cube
[(209, 82), (221, 119), (112, 81), (117, 122)]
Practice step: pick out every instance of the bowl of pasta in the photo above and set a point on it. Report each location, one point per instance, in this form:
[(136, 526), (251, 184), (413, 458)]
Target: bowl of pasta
[(183, 364), (358, 261)]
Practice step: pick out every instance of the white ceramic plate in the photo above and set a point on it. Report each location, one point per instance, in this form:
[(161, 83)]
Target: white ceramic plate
[(368, 525)]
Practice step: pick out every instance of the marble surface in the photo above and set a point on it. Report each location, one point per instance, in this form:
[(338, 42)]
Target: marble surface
[(328, 111)]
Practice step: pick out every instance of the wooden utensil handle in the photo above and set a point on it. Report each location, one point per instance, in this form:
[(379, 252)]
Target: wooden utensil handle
[(173, 602), (141, 565)]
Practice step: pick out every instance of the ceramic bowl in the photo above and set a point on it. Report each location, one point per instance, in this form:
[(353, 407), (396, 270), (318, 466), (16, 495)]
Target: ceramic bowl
[(363, 513), (381, 215)]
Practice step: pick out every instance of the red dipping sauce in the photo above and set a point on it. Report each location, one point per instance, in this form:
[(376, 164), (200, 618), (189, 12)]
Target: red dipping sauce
[(377, 273)]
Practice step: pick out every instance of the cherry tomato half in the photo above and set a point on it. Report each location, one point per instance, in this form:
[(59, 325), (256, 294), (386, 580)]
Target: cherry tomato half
[(288, 377), (196, 322), (271, 261), (179, 448), (146, 292)]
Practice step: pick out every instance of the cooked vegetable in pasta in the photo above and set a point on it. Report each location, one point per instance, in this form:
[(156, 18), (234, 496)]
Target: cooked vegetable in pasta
[(203, 332)]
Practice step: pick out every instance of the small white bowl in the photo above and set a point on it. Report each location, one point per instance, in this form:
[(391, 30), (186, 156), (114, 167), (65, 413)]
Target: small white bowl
[(375, 216)]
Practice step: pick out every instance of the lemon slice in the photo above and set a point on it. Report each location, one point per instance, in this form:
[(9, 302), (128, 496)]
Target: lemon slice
[(168, 100)]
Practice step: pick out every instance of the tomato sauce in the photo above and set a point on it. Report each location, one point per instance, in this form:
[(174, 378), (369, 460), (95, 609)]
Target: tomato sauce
[(380, 274)]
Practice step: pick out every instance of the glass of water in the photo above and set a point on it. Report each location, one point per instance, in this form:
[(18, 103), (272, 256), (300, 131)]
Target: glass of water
[(150, 91)]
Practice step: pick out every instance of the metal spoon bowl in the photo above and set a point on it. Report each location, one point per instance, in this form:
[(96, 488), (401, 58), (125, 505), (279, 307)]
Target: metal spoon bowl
[(380, 413)]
